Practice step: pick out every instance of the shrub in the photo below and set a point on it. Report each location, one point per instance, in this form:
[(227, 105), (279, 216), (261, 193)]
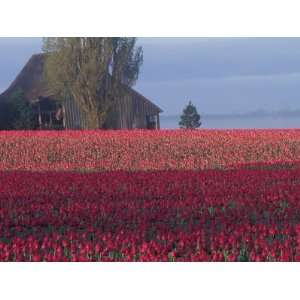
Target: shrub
[(16, 113)]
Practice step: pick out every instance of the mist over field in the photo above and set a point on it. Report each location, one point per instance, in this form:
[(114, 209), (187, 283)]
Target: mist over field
[(246, 121)]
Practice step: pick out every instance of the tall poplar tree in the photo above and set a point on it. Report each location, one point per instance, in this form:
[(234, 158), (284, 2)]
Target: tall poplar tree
[(92, 71)]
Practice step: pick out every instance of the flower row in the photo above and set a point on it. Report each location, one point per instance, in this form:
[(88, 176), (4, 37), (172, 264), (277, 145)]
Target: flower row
[(214, 215), (140, 150)]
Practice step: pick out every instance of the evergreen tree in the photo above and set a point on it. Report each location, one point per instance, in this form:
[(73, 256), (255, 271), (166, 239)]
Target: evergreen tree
[(190, 119)]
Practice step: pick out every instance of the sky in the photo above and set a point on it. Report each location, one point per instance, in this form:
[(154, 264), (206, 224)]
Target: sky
[(219, 75)]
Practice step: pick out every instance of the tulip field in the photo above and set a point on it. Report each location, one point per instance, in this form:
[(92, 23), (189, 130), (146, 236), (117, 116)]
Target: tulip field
[(143, 150), (169, 195)]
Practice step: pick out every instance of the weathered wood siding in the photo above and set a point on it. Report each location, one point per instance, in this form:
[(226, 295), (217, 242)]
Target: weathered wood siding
[(75, 117), (133, 111), (129, 112)]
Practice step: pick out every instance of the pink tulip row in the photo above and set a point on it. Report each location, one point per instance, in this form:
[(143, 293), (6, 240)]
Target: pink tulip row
[(140, 150)]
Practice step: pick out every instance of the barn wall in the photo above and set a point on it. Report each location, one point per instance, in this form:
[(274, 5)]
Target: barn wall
[(129, 112), (132, 108), (75, 118)]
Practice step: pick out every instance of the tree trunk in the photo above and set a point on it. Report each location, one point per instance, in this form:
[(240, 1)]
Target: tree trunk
[(92, 121)]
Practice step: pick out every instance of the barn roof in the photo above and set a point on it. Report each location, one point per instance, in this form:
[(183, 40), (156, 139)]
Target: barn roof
[(32, 82)]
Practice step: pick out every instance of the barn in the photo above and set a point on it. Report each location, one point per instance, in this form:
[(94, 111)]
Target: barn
[(133, 110)]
